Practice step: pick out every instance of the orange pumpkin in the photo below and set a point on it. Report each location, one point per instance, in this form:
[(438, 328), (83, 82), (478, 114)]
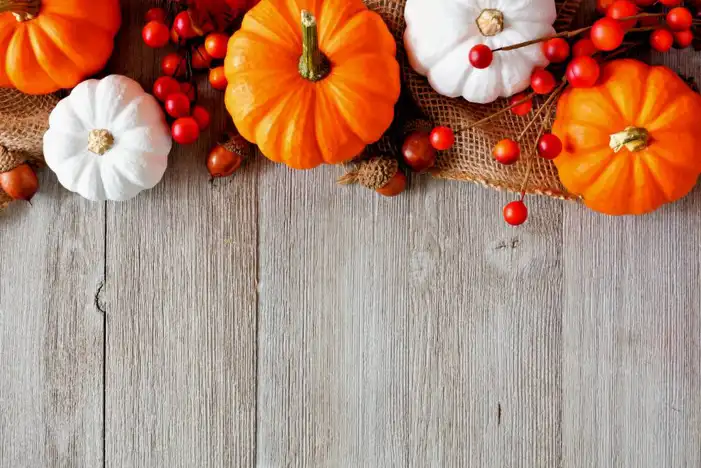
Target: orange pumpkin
[(631, 144), (312, 81), (46, 45)]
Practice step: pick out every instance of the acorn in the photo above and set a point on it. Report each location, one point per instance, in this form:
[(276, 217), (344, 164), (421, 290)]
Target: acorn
[(20, 183), (226, 158), (379, 174)]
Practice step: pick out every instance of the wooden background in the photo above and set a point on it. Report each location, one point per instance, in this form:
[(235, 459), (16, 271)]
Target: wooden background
[(275, 320)]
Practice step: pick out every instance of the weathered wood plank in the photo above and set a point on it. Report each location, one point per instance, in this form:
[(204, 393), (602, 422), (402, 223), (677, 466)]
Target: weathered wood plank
[(484, 330), (632, 332), (632, 338), (333, 307), (181, 305), (51, 332)]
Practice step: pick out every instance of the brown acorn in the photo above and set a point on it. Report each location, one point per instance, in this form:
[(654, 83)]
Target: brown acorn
[(20, 183), (380, 174), (225, 159)]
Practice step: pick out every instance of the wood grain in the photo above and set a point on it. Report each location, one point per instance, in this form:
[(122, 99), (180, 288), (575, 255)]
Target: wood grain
[(181, 304), (484, 330), (631, 338), (333, 308), (273, 319), (51, 332), (632, 331)]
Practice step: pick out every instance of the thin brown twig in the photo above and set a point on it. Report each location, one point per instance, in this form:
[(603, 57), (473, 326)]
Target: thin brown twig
[(497, 114), (576, 32), (542, 108), (548, 105)]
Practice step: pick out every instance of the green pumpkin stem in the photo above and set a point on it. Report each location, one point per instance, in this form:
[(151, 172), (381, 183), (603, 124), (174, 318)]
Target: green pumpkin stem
[(23, 10), (313, 64)]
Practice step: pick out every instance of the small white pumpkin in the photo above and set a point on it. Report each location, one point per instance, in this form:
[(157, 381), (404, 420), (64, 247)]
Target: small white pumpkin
[(108, 140), (441, 33)]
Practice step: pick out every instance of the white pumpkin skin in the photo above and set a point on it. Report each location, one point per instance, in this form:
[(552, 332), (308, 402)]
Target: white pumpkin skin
[(441, 33), (138, 156)]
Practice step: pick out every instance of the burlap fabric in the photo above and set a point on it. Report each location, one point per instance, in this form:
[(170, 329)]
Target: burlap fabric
[(470, 159), (23, 121)]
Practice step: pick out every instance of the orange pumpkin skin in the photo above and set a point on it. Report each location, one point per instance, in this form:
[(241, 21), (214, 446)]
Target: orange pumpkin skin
[(66, 42), (630, 94), (303, 123)]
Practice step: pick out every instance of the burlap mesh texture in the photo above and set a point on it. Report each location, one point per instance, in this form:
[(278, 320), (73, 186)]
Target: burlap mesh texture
[(23, 121), (471, 159)]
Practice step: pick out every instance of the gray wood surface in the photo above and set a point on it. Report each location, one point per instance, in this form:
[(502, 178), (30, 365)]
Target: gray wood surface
[(181, 305), (51, 333), (275, 320)]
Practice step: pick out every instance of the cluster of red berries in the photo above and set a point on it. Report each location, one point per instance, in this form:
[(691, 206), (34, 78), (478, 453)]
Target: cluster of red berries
[(583, 70), (179, 97)]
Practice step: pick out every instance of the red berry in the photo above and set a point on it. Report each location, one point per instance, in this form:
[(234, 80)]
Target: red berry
[(661, 40), (516, 213), (583, 72), (679, 19), (507, 152), (201, 58), (164, 87), (216, 45), (177, 105), (523, 108), (182, 25), (217, 78), (556, 50), (201, 116), (683, 39), (481, 56), (175, 37), (542, 81), (156, 14), (173, 65), (189, 90), (185, 131), (442, 138), (155, 34), (623, 9), (603, 5), (584, 47), (607, 34), (549, 146)]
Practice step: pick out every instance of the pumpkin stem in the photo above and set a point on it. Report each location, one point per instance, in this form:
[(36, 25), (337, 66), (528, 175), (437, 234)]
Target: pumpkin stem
[(490, 22), (313, 65), (100, 141), (632, 138), (23, 10)]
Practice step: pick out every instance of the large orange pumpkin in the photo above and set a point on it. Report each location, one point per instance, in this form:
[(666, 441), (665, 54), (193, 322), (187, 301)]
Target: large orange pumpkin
[(632, 143), (46, 45), (312, 81)]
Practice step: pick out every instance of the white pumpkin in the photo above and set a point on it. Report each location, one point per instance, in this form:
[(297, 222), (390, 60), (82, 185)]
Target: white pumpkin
[(441, 33), (108, 140)]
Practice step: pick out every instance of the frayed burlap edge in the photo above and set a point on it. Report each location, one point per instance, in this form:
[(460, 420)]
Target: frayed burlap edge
[(23, 121)]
